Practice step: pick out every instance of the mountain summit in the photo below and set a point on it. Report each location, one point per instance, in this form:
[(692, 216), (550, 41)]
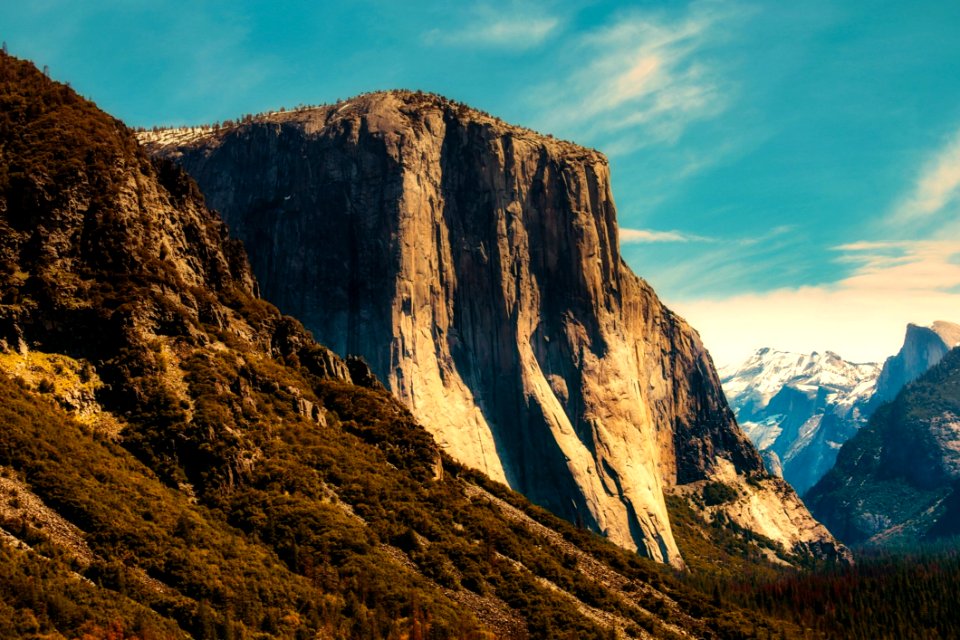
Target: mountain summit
[(798, 409), (923, 347), (476, 267)]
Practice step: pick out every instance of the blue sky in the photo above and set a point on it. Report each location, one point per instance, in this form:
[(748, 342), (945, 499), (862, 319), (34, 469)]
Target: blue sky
[(786, 174)]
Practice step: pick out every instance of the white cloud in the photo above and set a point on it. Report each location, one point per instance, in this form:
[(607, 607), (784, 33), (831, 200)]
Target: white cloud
[(639, 81), (937, 186), (641, 236), (723, 263), (516, 29), (862, 317)]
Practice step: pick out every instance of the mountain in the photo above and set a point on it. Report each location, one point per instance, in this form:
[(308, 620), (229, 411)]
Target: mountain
[(799, 409), (476, 267), (895, 482), (922, 348), (178, 459)]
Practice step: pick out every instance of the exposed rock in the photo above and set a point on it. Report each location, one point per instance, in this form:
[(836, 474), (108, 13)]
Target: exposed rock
[(476, 267), (19, 505), (361, 374), (923, 347), (772, 462), (770, 508), (306, 408)]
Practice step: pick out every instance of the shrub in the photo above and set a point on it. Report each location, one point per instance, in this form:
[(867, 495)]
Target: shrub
[(717, 493)]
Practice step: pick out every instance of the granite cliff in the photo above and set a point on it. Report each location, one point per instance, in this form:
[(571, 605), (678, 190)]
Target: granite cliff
[(923, 347), (476, 267), (179, 460)]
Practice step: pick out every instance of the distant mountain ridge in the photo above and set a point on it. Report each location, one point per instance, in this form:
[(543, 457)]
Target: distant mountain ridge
[(799, 409)]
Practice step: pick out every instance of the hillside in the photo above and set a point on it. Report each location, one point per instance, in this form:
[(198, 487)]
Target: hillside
[(894, 482), (179, 459)]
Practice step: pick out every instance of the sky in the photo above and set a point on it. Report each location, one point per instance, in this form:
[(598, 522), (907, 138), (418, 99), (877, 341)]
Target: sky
[(786, 174)]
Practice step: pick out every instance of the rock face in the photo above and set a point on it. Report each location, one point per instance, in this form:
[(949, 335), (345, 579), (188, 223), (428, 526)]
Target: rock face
[(799, 409), (923, 347), (895, 481), (161, 422), (476, 267)]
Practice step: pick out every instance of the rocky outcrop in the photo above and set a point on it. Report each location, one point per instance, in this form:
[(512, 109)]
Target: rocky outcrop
[(896, 481), (476, 267), (923, 347), (799, 409), (768, 508)]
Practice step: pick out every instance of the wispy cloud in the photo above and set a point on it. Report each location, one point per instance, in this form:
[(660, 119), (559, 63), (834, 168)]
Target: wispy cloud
[(640, 80), (881, 285), (221, 49), (937, 186), (643, 236), (517, 28), (903, 267), (861, 316), (721, 263)]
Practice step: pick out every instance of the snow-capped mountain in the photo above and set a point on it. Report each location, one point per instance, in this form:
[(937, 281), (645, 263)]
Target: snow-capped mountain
[(798, 409)]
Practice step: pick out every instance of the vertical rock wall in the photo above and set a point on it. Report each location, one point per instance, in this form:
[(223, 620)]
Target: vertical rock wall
[(476, 267)]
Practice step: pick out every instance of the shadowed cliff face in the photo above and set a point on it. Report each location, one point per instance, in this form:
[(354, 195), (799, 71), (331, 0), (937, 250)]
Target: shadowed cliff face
[(476, 267), (923, 347)]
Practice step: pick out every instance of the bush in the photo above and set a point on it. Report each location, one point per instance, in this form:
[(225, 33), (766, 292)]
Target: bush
[(717, 493)]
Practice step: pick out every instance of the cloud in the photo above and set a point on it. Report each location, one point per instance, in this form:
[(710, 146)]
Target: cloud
[(719, 264), (640, 80), (519, 29), (914, 266), (862, 316), (641, 236), (937, 186), (881, 285)]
